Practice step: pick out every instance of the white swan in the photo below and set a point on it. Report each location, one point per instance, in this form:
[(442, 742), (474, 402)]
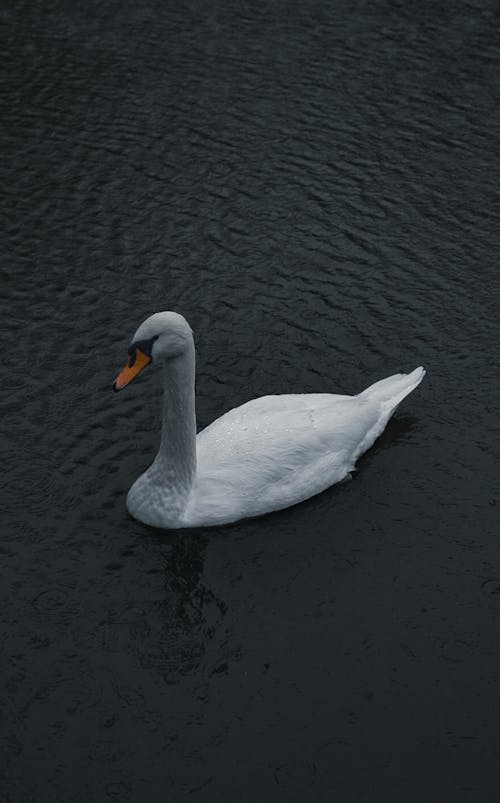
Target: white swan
[(267, 454)]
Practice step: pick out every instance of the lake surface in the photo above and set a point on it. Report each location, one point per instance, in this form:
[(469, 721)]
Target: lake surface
[(315, 186)]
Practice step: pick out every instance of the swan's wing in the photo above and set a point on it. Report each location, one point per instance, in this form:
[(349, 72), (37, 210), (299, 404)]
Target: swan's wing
[(277, 450), (284, 432), (252, 414)]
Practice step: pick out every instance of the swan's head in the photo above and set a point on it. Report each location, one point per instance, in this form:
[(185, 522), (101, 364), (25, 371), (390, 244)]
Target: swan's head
[(162, 336)]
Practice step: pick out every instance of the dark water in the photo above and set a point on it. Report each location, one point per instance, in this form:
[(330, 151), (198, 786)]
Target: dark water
[(314, 186)]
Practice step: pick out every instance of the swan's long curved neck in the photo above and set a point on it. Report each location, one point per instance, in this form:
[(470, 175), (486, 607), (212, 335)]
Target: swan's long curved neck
[(176, 458)]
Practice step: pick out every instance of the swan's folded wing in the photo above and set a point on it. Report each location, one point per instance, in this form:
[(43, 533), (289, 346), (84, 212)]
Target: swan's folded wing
[(276, 451)]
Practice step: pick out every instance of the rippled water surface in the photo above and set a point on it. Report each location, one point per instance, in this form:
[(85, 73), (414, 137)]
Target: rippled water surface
[(314, 186)]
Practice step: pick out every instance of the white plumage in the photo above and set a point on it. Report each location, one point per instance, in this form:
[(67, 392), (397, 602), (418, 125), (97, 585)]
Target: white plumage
[(269, 453)]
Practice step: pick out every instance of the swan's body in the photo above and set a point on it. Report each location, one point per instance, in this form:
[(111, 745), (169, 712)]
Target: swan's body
[(269, 453)]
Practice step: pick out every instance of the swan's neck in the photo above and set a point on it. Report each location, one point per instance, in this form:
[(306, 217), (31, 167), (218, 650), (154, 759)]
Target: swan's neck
[(176, 458), (160, 495)]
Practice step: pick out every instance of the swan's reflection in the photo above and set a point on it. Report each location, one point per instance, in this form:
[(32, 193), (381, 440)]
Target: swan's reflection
[(168, 630)]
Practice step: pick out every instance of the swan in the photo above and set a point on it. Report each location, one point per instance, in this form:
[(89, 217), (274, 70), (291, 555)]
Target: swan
[(265, 455)]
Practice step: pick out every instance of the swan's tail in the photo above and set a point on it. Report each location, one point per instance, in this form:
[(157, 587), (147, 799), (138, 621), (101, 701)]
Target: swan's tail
[(392, 390)]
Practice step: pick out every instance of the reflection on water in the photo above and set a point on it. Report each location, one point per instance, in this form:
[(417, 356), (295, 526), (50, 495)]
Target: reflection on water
[(187, 616)]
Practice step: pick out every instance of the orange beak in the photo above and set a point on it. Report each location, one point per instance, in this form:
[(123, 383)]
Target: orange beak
[(131, 370)]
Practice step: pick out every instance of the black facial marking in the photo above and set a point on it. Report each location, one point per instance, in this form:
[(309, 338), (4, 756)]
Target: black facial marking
[(145, 346)]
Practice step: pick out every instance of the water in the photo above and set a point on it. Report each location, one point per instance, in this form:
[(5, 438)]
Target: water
[(315, 187)]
